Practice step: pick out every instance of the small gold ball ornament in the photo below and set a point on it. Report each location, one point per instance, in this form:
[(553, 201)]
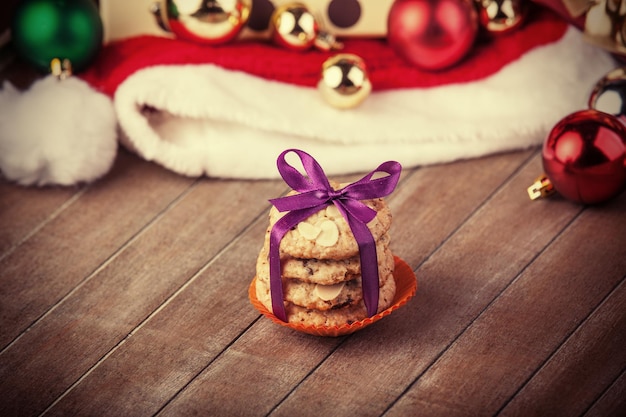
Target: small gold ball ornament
[(294, 27), (501, 16), (344, 81), (209, 22)]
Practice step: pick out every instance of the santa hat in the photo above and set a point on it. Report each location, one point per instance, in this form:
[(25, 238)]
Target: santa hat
[(229, 110)]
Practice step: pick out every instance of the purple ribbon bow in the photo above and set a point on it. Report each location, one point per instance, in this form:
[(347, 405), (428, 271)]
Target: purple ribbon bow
[(316, 193)]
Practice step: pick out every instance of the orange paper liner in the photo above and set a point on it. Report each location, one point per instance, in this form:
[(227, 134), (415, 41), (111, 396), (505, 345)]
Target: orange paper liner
[(406, 286)]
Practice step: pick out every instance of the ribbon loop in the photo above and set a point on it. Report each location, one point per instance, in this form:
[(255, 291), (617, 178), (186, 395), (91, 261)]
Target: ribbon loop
[(316, 177), (316, 193)]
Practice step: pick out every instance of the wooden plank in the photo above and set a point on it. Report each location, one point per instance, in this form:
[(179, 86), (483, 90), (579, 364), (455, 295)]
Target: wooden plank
[(372, 368), (583, 367), (24, 209), (612, 403), (105, 309), (440, 198), (250, 377), (497, 353), (73, 244)]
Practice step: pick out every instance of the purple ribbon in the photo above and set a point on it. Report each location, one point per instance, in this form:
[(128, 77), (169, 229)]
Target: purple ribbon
[(316, 193)]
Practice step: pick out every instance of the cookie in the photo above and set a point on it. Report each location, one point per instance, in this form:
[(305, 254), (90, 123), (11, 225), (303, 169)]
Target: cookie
[(326, 271), (333, 317), (327, 235), (323, 297)]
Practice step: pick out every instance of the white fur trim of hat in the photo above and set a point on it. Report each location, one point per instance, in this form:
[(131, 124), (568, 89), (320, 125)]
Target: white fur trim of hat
[(202, 120)]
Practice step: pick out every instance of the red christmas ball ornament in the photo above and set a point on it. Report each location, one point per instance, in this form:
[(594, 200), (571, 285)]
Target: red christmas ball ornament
[(432, 34), (584, 157)]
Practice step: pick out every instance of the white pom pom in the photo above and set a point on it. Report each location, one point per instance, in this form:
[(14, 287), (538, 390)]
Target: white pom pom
[(58, 132)]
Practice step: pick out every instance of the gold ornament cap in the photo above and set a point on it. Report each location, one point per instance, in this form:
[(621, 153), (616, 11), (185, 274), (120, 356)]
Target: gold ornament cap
[(344, 81), (541, 188)]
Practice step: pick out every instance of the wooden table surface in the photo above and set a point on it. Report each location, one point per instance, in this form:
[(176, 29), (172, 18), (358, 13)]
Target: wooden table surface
[(129, 297)]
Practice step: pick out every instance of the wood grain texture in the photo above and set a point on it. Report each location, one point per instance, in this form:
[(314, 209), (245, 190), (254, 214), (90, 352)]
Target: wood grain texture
[(177, 342), (526, 322), (612, 403), (23, 210), (72, 246), (582, 368), (107, 307)]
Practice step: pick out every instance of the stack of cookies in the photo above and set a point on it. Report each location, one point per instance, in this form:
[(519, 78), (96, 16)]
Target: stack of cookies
[(321, 268)]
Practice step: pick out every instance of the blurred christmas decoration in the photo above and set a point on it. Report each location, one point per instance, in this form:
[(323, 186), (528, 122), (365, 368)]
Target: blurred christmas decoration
[(602, 21), (584, 158), (432, 34), (501, 16), (344, 81), (294, 27), (70, 30), (210, 22)]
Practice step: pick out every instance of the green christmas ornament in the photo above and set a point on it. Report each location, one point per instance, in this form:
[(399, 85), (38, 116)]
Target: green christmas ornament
[(43, 30)]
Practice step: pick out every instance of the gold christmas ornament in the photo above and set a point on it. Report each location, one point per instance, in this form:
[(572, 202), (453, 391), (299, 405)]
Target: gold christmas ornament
[(344, 81), (209, 22), (500, 16), (295, 27)]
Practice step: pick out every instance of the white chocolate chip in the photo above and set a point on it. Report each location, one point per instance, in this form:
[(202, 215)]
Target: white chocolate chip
[(329, 233), (308, 231), (328, 292)]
